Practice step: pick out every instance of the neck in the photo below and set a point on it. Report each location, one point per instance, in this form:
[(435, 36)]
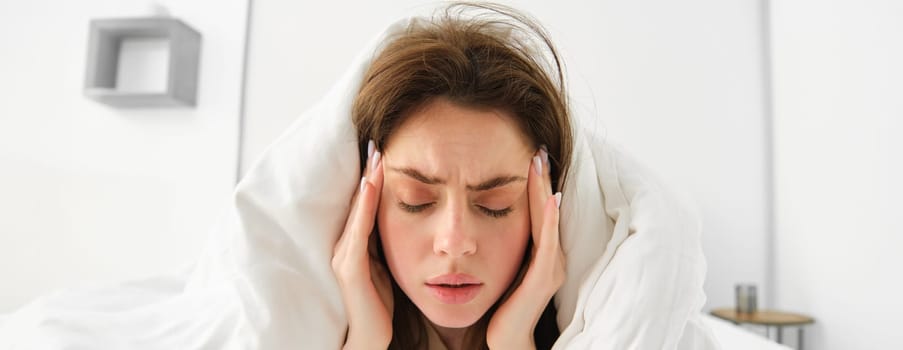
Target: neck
[(452, 338)]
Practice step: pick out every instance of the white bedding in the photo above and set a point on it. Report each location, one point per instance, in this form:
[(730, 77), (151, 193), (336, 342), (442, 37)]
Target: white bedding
[(728, 335), (634, 259)]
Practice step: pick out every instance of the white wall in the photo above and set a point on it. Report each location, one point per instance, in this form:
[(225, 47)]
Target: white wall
[(838, 83), (678, 83), (93, 194)]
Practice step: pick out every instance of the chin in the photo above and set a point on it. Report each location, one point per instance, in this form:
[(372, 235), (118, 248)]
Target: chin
[(442, 316)]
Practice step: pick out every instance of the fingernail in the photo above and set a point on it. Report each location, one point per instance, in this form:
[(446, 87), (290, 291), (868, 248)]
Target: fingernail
[(545, 155), (558, 200), (537, 165), (375, 160), (363, 180), (370, 146)]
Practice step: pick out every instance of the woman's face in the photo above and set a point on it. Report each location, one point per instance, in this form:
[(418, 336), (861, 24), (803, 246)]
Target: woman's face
[(453, 216)]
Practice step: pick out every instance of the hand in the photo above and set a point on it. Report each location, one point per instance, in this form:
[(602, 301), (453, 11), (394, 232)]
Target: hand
[(363, 280), (512, 325)]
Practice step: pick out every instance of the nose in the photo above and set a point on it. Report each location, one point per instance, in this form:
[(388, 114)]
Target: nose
[(452, 238)]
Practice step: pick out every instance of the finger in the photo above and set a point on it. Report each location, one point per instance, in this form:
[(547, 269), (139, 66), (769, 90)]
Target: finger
[(538, 190), (375, 174), (340, 252), (548, 243), (547, 169), (547, 248), (534, 192), (365, 215), (354, 198)]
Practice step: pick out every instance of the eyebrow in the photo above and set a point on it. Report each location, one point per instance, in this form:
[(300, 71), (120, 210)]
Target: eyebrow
[(497, 181)]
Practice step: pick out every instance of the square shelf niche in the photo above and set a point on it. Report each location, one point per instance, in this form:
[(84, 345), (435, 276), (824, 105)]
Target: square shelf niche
[(125, 55)]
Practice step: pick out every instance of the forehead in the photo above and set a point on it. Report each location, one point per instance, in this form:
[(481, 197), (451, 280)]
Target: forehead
[(441, 134)]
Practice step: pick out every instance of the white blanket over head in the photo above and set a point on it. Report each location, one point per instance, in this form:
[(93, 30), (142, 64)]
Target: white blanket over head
[(635, 266)]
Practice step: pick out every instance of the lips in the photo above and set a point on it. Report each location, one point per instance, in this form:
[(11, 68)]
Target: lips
[(454, 288)]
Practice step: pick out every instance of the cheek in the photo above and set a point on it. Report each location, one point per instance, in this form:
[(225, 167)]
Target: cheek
[(505, 247), (403, 247)]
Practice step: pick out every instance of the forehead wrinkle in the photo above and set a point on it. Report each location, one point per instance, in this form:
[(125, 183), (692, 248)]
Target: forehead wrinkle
[(445, 143), (494, 182)]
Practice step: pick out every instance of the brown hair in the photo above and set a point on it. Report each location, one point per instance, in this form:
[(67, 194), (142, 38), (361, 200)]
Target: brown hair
[(475, 55)]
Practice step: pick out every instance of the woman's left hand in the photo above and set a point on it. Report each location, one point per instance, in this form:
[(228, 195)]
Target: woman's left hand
[(512, 325)]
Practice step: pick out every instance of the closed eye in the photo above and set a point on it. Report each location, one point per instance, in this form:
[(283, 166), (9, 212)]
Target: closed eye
[(495, 213), (421, 207), (413, 208)]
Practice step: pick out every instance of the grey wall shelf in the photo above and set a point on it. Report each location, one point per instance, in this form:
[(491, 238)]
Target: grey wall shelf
[(105, 42)]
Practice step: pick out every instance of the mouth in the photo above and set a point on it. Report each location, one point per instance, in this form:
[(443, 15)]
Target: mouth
[(454, 288)]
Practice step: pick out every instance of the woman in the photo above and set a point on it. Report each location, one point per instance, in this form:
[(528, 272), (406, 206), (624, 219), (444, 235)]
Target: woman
[(452, 240)]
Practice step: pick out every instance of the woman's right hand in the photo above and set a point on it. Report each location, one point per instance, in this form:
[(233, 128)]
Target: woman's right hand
[(364, 281)]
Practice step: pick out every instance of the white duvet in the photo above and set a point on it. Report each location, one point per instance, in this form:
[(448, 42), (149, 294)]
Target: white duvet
[(634, 259)]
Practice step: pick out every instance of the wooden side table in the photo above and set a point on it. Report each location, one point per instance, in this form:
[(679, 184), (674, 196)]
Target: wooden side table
[(767, 318)]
